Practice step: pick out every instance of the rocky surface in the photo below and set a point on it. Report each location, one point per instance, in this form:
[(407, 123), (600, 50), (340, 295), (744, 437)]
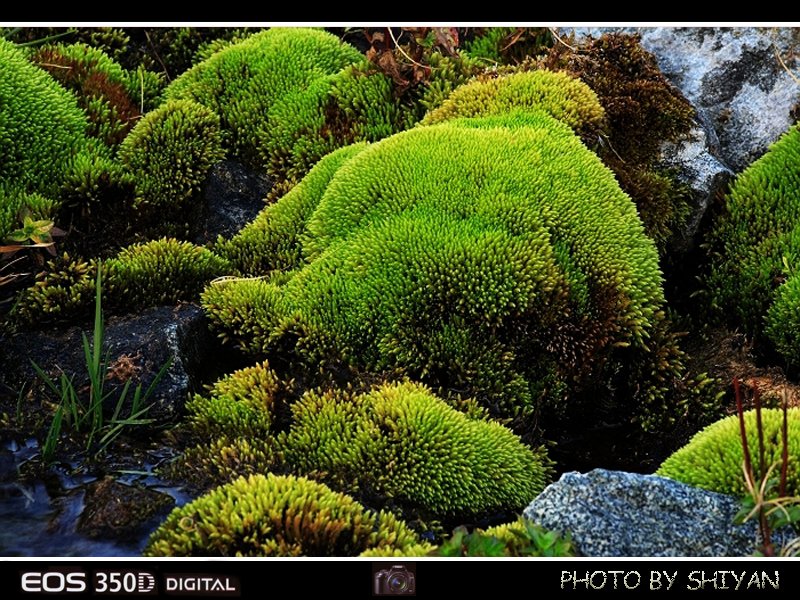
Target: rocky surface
[(233, 195), (137, 346), (742, 80), (613, 513), (696, 164), (121, 512)]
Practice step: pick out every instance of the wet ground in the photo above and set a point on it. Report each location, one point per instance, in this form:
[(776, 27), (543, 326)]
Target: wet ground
[(40, 517)]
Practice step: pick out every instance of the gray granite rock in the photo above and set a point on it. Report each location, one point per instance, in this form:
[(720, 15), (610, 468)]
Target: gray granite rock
[(613, 513), (732, 76), (696, 165)]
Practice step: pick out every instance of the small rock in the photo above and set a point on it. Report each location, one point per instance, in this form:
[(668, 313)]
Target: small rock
[(121, 512), (233, 195), (613, 513), (138, 346), (695, 164)]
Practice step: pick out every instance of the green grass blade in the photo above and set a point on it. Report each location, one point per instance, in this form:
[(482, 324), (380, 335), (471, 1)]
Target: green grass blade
[(53, 435)]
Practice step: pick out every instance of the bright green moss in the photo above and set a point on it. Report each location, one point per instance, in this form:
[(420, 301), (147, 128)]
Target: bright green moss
[(560, 95), (169, 153), (41, 126), (272, 240), (163, 271), (402, 442), (246, 312), (242, 82), (783, 320), (276, 516), (756, 247), (240, 404), (355, 104), (713, 458), (496, 256), (64, 290)]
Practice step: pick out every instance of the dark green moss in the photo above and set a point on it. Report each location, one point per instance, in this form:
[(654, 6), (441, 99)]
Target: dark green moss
[(755, 249)]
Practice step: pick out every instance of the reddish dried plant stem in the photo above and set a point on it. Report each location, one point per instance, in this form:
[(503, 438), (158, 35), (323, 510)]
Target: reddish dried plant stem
[(785, 447), (760, 430), (742, 430)]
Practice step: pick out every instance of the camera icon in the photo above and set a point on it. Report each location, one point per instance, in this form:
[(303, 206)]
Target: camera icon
[(397, 580)]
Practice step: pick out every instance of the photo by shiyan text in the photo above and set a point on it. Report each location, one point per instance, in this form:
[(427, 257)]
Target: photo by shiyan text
[(740, 579)]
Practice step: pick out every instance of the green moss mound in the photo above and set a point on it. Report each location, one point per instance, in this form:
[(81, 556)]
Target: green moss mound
[(169, 153), (355, 104), (560, 95), (240, 404), (713, 458), (41, 126), (402, 442), (756, 247), (244, 81), (64, 290), (276, 516), (162, 271), (100, 85), (495, 256)]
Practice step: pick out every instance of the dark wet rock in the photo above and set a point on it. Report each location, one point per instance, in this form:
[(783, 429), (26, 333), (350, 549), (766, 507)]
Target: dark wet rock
[(116, 511), (8, 465), (233, 195), (733, 77), (613, 513), (138, 346)]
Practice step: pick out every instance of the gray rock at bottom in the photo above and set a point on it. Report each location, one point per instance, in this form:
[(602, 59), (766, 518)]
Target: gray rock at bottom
[(612, 513)]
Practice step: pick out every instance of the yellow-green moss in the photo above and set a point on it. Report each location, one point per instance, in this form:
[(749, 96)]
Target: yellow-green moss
[(558, 94), (213, 463), (276, 516), (169, 153), (713, 458), (240, 404), (64, 290), (402, 442), (162, 271)]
